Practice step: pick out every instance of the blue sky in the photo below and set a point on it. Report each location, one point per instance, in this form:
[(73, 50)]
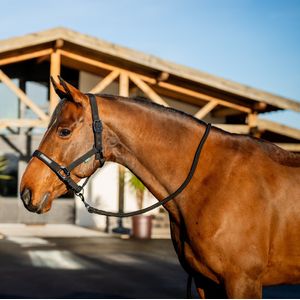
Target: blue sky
[(256, 42)]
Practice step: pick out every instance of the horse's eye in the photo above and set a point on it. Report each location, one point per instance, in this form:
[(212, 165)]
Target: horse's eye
[(64, 132)]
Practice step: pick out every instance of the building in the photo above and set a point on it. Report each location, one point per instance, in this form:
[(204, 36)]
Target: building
[(93, 65)]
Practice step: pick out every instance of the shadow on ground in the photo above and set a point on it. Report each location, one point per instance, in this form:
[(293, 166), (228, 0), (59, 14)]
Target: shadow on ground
[(96, 268)]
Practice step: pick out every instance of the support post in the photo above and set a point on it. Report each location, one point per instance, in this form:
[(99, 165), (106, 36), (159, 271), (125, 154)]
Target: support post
[(21, 105), (124, 92), (206, 109), (22, 96), (106, 81), (147, 90), (55, 60), (252, 123)]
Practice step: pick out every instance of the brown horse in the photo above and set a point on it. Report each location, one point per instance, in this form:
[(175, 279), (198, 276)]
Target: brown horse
[(235, 227)]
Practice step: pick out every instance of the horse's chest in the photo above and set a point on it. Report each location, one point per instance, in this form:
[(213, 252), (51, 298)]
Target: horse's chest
[(186, 254)]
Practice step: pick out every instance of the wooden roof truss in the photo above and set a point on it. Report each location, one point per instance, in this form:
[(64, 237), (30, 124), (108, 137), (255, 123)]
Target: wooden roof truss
[(155, 88)]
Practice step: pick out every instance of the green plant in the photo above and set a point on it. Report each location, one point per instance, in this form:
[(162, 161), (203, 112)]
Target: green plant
[(3, 166), (138, 188)]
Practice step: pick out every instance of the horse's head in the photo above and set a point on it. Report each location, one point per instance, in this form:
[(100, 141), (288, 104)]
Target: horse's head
[(68, 136)]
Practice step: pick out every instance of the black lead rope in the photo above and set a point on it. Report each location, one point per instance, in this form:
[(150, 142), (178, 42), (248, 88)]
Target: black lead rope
[(189, 287), (94, 210), (64, 173)]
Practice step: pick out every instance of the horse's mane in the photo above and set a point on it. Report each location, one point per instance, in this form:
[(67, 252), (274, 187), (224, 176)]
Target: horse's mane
[(278, 154), (273, 151), (147, 102)]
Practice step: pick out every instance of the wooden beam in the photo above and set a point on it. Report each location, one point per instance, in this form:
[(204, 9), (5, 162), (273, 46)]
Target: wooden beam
[(124, 84), (149, 80), (21, 105), (178, 97), (202, 96), (23, 123), (289, 146), (22, 57), (124, 92), (87, 60), (147, 89), (22, 96), (278, 128), (54, 72), (252, 120), (233, 128), (221, 112), (99, 64), (206, 109), (163, 76), (106, 81)]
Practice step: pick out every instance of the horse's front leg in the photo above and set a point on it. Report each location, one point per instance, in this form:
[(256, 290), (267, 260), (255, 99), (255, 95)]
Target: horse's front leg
[(243, 286), (201, 293), (207, 289)]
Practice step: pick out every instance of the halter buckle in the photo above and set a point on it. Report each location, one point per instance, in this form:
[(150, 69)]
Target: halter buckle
[(97, 126), (63, 173)]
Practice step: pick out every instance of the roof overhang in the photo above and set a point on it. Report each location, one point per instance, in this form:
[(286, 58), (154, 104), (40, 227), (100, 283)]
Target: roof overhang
[(178, 74)]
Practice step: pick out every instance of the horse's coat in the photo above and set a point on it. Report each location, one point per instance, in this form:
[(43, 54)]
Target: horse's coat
[(235, 227)]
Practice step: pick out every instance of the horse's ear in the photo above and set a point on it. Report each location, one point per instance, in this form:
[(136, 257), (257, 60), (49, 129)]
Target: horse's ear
[(66, 90), (59, 90)]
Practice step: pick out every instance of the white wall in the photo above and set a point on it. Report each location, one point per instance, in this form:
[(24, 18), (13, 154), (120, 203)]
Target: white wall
[(102, 192)]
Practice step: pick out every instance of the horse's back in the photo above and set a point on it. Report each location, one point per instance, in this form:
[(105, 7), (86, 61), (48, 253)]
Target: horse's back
[(279, 155)]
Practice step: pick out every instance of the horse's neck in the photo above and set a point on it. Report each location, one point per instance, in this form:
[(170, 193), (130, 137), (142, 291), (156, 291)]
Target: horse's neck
[(157, 146)]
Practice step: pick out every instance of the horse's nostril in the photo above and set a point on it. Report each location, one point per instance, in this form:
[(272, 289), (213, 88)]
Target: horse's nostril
[(26, 196)]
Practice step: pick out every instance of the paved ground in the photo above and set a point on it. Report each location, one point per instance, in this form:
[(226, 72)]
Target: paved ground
[(94, 267)]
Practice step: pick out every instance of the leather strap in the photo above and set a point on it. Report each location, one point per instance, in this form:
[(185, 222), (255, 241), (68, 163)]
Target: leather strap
[(97, 128), (62, 172)]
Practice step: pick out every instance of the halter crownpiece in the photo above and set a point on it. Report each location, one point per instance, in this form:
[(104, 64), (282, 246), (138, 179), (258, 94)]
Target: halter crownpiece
[(64, 173)]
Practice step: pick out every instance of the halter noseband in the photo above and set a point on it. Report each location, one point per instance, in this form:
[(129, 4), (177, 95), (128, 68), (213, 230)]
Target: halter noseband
[(64, 173)]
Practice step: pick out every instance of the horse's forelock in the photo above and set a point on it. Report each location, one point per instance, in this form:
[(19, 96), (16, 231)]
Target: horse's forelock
[(56, 112)]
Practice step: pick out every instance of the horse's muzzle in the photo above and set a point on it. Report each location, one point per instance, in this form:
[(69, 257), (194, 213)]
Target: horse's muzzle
[(26, 197)]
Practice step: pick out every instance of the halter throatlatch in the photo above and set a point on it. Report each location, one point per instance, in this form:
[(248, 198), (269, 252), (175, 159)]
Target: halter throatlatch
[(64, 173)]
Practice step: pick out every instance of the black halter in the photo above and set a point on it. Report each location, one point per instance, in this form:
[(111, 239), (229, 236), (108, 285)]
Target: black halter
[(64, 173)]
